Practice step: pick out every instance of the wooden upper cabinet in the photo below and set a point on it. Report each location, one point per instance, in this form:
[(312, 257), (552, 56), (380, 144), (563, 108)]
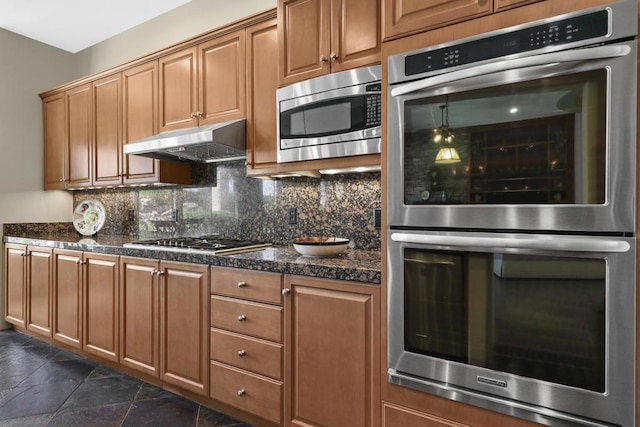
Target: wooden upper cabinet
[(508, 4), (55, 142), (403, 17), (203, 84), (221, 66), (107, 125), (140, 120), (79, 132), (262, 82), (317, 37), (178, 90)]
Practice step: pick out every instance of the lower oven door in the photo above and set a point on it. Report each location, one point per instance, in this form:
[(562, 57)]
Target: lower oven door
[(537, 326)]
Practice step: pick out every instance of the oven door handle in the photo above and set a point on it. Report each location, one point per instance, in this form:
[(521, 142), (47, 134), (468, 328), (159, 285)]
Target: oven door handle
[(548, 243), (585, 54)]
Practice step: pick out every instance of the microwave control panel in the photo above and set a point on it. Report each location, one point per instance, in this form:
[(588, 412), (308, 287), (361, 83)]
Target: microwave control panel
[(563, 31)]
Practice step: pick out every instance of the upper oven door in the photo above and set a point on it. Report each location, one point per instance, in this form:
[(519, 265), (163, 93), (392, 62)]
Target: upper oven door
[(542, 142)]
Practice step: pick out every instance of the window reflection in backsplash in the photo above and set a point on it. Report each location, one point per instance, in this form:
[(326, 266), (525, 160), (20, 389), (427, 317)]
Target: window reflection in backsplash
[(228, 203)]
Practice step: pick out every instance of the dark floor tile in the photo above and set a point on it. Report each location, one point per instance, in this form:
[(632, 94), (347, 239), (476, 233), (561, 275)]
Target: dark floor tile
[(40, 348), (58, 372), (34, 400), (32, 421), (209, 418), (104, 391), (101, 416), (102, 371), (149, 392), (9, 335), (169, 412), (65, 355)]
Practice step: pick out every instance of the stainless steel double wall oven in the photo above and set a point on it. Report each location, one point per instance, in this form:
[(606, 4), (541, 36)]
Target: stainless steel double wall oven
[(511, 240)]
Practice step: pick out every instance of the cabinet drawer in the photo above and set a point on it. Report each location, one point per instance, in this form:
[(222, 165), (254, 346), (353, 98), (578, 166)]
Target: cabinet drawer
[(252, 354), (247, 284), (398, 416), (252, 393), (249, 318)]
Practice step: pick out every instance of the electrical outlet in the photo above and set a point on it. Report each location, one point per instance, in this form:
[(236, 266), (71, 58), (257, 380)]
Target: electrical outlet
[(132, 216), (377, 217), (293, 216)]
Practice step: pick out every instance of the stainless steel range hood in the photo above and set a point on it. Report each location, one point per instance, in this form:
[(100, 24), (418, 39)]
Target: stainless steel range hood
[(205, 144)]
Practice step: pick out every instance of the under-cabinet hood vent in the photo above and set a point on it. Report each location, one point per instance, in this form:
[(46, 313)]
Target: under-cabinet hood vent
[(204, 144)]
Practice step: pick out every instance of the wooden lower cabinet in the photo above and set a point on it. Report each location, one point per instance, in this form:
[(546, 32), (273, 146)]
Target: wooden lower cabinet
[(247, 347), (67, 297), (100, 305), (184, 325), (39, 290), (398, 416), (332, 358), (15, 276), (140, 315)]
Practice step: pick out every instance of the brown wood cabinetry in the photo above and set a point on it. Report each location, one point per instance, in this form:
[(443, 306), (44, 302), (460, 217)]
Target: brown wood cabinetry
[(100, 305), (15, 276), (139, 315), (28, 287), (184, 325), (317, 37), (203, 84), (39, 289), (402, 17), (332, 353), (55, 142), (79, 133), (397, 416), (107, 130), (262, 82), (67, 297), (246, 346)]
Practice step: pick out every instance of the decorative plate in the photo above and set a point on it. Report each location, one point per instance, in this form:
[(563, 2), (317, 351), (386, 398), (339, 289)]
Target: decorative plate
[(88, 217)]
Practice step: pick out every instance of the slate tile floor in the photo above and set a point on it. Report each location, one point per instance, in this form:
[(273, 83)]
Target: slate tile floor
[(42, 385)]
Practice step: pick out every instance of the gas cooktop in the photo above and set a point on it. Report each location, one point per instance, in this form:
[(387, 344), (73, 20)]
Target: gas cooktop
[(213, 245)]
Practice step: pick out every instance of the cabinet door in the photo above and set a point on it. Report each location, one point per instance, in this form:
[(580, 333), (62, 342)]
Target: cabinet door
[(39, 287), (55, 142), (222, 79), (140, 118), (303, 39), (403, 17), (262, 82), (184, 326), (332, 352), (139, 315), (355, 34), (14, 282), (67, 296), (179, 90), (501, 5), (100, 296), (79, 122), (107, 120)]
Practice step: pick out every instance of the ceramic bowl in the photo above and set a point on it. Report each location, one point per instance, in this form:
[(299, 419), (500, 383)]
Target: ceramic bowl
[(320, 246)]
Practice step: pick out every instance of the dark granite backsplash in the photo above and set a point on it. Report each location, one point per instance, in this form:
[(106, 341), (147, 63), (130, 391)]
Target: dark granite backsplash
[(225, 201)]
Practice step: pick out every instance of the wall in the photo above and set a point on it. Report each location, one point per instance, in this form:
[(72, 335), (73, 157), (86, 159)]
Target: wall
[(187, 21), (27, 68)]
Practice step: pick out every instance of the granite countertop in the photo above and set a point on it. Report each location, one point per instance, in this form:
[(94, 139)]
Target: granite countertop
[(352, 265)]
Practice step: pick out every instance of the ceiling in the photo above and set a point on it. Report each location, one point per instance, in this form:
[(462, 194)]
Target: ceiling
[(74, 25)]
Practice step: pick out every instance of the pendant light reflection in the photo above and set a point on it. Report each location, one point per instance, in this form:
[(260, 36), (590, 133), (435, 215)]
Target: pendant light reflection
[(443, 134)]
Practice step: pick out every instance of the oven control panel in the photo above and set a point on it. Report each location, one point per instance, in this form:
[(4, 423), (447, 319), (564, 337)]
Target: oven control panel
[(559, 32)]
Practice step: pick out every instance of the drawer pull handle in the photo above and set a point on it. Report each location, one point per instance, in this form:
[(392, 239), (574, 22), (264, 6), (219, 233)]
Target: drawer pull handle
[(242, 284), (242, 353), (242, 318), (241, 392)]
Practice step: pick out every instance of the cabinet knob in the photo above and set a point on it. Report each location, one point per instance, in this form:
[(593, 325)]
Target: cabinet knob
[(334, 56), (157, 273), (193, 115), (242, 392), (199, 114), (242, 284), (242, 318), (286, 291), (242, 353), (80, 262), (323, 59)]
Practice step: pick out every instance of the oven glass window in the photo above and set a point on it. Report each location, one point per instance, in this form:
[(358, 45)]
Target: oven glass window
[(323, 118), (532, 142), (533, 316)]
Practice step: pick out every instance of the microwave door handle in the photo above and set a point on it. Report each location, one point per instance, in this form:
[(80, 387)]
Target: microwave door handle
[(585, 54), (549, 243)]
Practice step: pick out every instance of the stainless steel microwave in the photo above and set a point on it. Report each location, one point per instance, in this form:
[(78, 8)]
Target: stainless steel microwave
[(336, 115)]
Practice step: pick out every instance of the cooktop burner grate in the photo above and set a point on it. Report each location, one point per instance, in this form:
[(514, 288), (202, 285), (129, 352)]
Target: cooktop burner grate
[(203, 244)]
